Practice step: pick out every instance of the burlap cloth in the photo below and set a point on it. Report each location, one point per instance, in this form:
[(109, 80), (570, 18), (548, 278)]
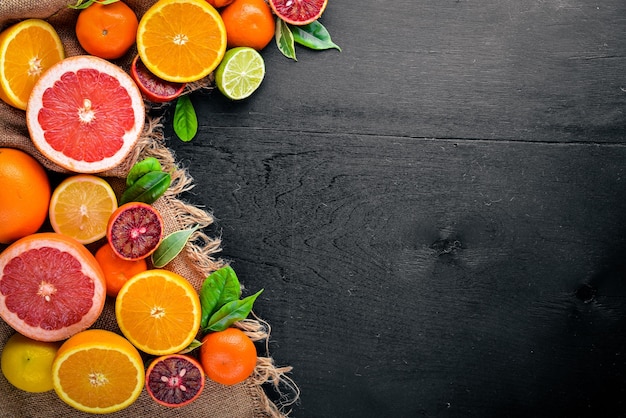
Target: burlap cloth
[(247, 399)]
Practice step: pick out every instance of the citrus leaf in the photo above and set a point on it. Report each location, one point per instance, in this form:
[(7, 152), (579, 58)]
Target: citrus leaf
[(192, 346), (185, 119), (232, 312), (140, 168), (314, 36), (284, 39), (171, 246), (148, 188), (219, 288), (83, 4)]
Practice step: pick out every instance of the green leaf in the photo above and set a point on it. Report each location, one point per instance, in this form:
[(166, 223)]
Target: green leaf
[(140, 168), (232, 312), (192, 346), (83, 4), (171, 246), (284, 39), (185, 119), (314, 36), (219, 288)]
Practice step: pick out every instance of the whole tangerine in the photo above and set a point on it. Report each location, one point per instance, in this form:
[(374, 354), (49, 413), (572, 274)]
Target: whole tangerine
[(116, 270), (107, 30), (228, 357), (248, 23), (218, 4), (24, 195)]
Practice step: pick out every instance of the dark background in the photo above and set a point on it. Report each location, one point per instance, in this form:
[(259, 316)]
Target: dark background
[(436, 213)]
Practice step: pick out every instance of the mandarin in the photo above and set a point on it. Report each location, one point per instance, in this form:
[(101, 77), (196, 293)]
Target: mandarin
[(219, 3), (248, 23), (116, 270), (107, 30), (228, 357), (24, 195)]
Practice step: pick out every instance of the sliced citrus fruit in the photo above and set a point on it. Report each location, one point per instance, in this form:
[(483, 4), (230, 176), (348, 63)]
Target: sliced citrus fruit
[(135, 230), (174, 380), (158, 311), (27, 50), (85, 114), (298, 12), (98, 371), (51, 286), (181, 40), (27, 363), (81, 206), (240, 73), (152, 87)]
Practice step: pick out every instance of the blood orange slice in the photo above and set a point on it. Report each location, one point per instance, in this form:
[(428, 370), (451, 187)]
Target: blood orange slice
[(135, 230), (174, 380), (154, 88), (85, 114), (51, 286), (298, 12)]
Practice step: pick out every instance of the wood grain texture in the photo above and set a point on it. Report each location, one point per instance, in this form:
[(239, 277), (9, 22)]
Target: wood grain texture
[(436, 213)]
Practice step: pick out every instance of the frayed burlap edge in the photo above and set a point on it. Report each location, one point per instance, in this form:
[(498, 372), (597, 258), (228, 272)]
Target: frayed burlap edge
[(200, 256)]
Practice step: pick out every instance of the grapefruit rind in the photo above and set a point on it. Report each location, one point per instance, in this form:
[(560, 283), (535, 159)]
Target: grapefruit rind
[(56, 154), (90, 268)]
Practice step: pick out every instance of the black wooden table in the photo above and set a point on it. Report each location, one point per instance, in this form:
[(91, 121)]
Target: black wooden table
[(437, 213)]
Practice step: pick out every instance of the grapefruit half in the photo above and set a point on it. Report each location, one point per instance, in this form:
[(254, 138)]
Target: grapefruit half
[(85, 114), (51, 287)]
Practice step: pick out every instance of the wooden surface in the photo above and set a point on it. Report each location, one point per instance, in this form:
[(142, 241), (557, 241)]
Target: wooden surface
[(436, 213)]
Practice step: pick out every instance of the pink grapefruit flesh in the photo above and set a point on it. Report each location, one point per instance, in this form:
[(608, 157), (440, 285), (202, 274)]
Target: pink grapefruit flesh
[(85, 114), (51, 287)]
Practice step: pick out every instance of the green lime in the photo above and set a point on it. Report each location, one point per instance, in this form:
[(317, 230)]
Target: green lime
[(240, 73)]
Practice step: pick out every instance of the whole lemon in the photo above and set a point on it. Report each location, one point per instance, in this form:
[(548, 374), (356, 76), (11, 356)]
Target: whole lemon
[(27, 364), (24, 195)]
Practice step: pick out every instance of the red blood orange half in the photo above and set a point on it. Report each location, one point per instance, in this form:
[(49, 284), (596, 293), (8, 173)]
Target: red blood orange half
[(154, 88), (51, 287), (298, 12), (85, 114)]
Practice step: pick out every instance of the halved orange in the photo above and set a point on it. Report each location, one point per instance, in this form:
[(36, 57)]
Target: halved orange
[(181, 40), (98, 372), (158, 311), (27, 49), (80, 207)]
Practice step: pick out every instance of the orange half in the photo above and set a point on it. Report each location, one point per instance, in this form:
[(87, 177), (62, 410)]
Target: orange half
[(158, 311), (181, 40), (27, 50)]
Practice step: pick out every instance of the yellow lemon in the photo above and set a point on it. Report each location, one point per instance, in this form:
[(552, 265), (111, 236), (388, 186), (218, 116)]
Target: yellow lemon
[(27, 364)]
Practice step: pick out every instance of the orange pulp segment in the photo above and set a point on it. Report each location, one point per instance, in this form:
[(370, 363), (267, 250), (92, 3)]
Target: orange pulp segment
[(80, 207), (98, 371), (158, 311), (181, 40), (27, 49)]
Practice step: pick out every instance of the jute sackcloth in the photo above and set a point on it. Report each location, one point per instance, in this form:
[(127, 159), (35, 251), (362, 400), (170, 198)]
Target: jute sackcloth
[(198, 260)]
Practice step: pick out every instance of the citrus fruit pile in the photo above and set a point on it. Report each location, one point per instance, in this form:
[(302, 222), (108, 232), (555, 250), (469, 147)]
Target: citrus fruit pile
[(71, 241), (53, 288)]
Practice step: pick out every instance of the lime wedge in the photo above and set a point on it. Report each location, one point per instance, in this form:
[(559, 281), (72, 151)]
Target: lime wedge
[(240, 73)]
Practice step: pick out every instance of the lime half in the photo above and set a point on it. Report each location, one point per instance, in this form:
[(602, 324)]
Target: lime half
[(240, 73)]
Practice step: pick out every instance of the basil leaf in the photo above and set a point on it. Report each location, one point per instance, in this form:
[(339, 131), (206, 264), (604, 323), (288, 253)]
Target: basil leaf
[(185, 119), (284, 39), (232, 312), (171, 246), (222, 286), (314, 36)]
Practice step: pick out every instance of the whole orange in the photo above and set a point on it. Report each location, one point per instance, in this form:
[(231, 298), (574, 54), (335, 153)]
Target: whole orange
[(116, 270), (107, 30), (219, 3), (248, 23), (24, 195), (228, 357)]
